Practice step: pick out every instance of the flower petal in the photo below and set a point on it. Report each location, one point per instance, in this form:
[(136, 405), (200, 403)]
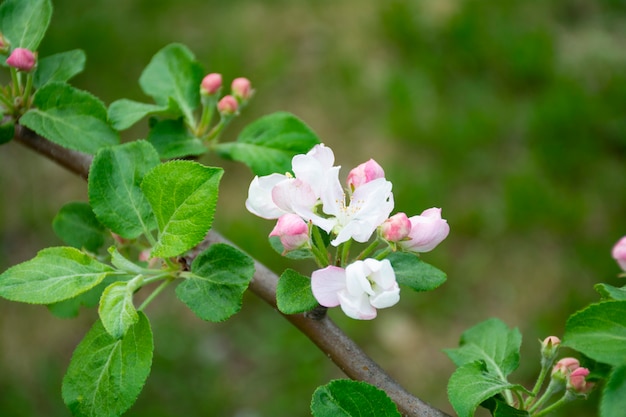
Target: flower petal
[(327, 283), (357, 307), (260, 200)]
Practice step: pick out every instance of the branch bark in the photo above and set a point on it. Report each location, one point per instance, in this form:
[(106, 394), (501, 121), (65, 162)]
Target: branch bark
[(323, 332)]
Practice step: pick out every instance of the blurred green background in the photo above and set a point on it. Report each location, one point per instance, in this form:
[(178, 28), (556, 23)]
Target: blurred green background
[(510, 115)]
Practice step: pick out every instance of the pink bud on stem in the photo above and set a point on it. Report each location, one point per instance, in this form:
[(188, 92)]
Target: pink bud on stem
[(292, 231), (619, 253), (395, 228), (211, 84), (364, 173), (228, 105), (22, 59), (241, 88)]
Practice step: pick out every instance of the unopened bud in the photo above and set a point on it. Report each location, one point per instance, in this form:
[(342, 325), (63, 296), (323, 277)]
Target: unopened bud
[(292, 231), (241, 88), (619, 253), (395, 228), (364, 173), (427, 231), (549, 349), (228, 105), (564, 367), (578, 383), (211, 84), (22, 59)]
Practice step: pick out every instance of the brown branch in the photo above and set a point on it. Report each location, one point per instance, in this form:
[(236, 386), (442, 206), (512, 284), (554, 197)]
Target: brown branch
[(331, 340)]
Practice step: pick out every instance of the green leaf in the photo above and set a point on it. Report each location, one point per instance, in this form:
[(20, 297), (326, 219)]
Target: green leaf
[(106, 375), (71, 307), (124, 264), (114, 188), (268, 144), (183, 195), (172, 140), (7, 132), (55, 274), (471, 384), (492, 342), (117, 311), (76, 225), (345, 398), (173, 73), (293, 293), (24, 22), (499, 408), (70, 117), (609, 292), (613, 401), (124, 113), (214, 288), (599, 332), (59, 67), (415, 273)]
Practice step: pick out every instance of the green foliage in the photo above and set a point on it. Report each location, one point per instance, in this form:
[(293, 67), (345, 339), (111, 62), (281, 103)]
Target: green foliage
[(7, 131), (345, 398), (473, 383), (599, 332), (488, 353), (172, 139), (183, 195), (614, 394), (293, 293), (500, 408), (24, 22), (610, 292), (268, 144), (214, 288), (114, 188), (106, 374), (117, 311), (70, 117), (124, 113), (77, 225), (174, 74), (59, 67), (415, 273), (54, 275)]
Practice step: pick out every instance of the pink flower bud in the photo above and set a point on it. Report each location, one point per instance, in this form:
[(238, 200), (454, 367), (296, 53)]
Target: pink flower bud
[(211, 84), (22, 59), (292, 231), (427, 231), (395, 228), (549, 350), (619, 253), (364, 173), (564, 367), (241, 88), (228, 105), (144, 255), (577, 381)]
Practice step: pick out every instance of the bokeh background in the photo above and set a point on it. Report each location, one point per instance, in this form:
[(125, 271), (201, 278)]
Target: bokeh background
[(510, 115)]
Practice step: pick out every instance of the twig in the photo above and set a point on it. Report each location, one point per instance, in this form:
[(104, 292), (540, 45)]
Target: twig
[(331, 340)]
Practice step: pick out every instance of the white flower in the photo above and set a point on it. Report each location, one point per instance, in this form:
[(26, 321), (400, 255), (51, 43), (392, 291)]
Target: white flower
[(359, 289), (368, 207), (427, 231), (273, 195)]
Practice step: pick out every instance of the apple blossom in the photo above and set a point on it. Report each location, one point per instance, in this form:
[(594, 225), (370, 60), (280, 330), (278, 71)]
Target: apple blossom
[(22, 59), (368, 207), (360, 289), (292, 231), (619, 253), (273, 195), (395, 228), (427, 231), (364, 173), (564, 367)]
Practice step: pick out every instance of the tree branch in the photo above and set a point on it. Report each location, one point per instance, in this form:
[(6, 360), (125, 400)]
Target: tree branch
[(331, 340)]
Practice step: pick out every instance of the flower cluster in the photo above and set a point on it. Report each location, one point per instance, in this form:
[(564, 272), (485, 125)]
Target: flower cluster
[(312, 200)]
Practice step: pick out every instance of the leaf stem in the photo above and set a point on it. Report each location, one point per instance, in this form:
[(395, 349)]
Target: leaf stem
[(27, 90), (567, 397), (366, 252), (16, 82)]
